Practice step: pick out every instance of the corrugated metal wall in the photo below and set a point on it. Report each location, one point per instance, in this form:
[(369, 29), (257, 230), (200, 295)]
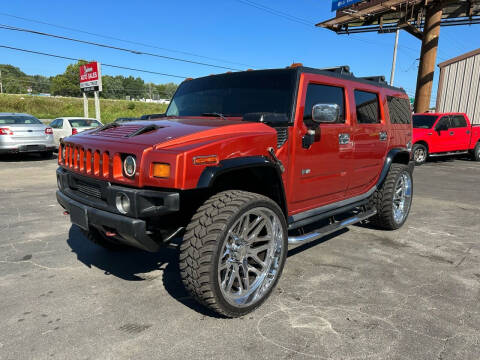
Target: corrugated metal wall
[(459, 87)]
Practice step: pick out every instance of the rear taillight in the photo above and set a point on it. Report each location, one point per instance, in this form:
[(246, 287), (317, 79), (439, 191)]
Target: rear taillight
[(6, 131), (74, 131), (48, 131)]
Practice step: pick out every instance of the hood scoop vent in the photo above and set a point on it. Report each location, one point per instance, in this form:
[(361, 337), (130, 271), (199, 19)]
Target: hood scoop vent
[(114, 130), (144, 130)]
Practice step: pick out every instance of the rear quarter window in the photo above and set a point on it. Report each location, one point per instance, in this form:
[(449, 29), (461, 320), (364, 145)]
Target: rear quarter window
[(368, 109), (399, 110)]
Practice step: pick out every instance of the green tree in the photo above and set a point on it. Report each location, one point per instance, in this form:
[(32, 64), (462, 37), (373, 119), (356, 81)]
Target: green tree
[(134, 87), (67, 84), (112, 87)]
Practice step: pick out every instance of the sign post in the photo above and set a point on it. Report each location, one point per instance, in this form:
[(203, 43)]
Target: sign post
[(91, 80), (85, 105)]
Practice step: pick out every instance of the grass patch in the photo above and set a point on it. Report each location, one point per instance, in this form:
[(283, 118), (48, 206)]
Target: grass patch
[(53, 107)]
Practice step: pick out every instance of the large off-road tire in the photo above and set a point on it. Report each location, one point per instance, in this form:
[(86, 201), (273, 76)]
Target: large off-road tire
[(476, 152), (233, 252), (97, 237), (393, 199), (420, 154)]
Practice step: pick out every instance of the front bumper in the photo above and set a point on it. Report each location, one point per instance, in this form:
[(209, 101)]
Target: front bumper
[(26, 148), (91, 203)]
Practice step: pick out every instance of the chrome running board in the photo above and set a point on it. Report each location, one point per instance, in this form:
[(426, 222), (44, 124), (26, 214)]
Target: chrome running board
[(326, 230), (448, 153)]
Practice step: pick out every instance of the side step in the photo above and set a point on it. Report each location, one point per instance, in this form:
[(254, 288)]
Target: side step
[(326, 230), (448, 153)]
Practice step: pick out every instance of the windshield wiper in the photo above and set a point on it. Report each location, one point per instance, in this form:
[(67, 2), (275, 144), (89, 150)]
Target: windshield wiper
[(220, 115)]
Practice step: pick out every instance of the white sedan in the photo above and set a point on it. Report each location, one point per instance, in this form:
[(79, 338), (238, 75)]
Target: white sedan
[(66, 126)]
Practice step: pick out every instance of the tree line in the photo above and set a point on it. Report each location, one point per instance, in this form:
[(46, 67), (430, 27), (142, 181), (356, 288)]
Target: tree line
[(15, 81)]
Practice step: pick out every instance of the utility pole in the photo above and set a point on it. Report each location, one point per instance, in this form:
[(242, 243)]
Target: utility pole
[(394, 62), (1, 84), (428, 57)]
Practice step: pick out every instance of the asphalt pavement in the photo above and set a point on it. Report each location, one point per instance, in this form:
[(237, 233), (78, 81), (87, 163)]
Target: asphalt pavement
[(360, 293)]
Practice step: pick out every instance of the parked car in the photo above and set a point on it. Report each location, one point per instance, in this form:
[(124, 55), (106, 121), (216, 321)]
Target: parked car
[(244, 165), (437, 134), (66, 126), (21, 133)]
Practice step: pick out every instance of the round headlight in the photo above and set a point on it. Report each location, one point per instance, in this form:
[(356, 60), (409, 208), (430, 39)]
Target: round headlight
[(122, 202), (129, 166)]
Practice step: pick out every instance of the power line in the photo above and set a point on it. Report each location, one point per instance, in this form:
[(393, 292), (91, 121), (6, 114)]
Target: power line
[(123, 40), (136, 52), (277, 12), (308, 23), (103, 64)]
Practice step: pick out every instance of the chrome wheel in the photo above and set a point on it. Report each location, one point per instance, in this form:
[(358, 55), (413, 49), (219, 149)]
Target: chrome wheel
[(402, 197), (250, 257), (420, 155)]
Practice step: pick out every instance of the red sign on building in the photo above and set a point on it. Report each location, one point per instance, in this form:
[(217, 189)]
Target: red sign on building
[(91, 77)]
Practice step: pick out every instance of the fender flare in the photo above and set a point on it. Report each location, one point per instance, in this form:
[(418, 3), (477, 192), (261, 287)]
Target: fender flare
[(389, 161), (211, 173)]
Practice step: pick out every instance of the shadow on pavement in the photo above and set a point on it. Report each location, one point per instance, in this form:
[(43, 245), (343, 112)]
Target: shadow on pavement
[(296, 250), (24, 157), (129, 263)]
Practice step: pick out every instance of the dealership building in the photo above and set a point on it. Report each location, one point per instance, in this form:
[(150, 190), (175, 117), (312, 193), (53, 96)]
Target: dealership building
[(459, 85)]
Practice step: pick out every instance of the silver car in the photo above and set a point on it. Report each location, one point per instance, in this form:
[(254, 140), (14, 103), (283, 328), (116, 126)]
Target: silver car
[(20, 133)]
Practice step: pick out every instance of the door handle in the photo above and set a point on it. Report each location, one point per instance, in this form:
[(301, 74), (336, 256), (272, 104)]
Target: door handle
[(383, 136), (452, 133), (343, 138)]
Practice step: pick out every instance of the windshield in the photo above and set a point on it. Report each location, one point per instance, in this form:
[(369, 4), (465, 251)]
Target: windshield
[(236, 94), (424, 121), (18, 119), (79, 123)]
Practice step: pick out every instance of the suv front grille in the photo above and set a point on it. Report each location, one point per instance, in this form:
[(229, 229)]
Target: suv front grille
[(88, 189)]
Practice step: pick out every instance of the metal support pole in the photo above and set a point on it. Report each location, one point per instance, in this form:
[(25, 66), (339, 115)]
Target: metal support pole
[(1, 84), (85, 105), (97, 106), (428, 57), (394, 62)]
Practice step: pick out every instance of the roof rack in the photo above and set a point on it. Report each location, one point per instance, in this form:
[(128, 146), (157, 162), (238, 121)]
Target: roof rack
[(345, 69), (379, 79)]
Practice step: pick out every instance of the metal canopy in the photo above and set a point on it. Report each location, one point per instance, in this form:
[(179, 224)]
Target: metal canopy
[(386, 16)]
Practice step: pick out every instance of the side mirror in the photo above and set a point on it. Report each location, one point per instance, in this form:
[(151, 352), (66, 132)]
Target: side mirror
[(325, 113)]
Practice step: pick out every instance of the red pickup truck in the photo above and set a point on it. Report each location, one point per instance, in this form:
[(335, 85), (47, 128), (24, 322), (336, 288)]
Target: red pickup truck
[(242, 165), (436, 134)]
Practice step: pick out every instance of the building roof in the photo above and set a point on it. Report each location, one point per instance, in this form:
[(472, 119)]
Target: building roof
[(459, 58)]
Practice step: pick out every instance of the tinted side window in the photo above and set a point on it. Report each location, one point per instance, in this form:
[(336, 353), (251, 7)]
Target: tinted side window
[(367, 107), (458, 121), (53, 124), (444, 121), (399, 110), (60, 123), (323, 94)]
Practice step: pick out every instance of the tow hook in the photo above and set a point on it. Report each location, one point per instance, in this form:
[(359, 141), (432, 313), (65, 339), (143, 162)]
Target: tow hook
[(271, 151)]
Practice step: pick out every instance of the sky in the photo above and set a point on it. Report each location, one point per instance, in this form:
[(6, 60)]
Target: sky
[(226, 33)]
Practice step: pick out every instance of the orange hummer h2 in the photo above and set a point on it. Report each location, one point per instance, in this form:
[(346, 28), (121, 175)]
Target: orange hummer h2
[(241, 166)]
